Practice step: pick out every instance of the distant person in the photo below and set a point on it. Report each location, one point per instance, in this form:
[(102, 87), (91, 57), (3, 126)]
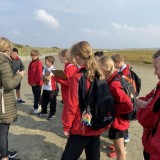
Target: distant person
[(148, 116), (123, 105), (69, 70), (98, 54), (80, 136), (35, 78), (49, 89), (8, 110), (17, 67)]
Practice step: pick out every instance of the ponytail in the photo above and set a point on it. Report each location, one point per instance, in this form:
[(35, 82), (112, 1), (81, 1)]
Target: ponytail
[(93, 69), (84, 50)]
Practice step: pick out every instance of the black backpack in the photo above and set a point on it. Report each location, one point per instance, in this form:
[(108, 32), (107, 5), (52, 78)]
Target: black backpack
[(137, 80), (98, 99), (129, 90)]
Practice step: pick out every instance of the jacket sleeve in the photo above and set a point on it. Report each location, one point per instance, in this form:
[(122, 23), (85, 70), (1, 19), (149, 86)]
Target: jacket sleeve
[(123, 103), (146, 116), (39, 73), (69, 72), (9, 81), (148, 96), (71, 105), (21, 65), (29, 73), (62, 81)]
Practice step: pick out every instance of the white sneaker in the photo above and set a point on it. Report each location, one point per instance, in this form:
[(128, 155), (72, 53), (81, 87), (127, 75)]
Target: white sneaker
[(35, 111)]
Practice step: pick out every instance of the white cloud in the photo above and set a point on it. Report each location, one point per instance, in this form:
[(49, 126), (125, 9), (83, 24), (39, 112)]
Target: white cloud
[(44, 17), (100, 32), (123, 36)]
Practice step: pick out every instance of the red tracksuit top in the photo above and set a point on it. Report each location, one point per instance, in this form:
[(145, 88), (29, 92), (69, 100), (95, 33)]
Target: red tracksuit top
[(148, 119), (35, 73), (69, 71), (123, 104), (71, 115), (126, 70)]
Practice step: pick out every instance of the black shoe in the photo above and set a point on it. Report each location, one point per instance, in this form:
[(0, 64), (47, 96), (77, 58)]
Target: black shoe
[(50, 117), (41, 114), (20, 101), (12, 155)]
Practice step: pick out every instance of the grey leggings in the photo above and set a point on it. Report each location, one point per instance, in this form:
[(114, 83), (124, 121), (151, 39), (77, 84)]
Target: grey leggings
[(4, 128)]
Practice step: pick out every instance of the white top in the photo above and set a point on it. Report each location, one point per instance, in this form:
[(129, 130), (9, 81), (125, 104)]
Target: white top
[(48, 87), (122, 68)]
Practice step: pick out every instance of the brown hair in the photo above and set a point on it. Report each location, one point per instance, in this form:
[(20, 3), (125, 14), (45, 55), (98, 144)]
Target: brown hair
[(51, 59), (5, 45), (156, 54), (34, 52), (65, 53), (117, 58), (84, 50)]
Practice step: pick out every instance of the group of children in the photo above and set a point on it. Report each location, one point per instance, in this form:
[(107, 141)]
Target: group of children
[(80, 137), (39, 76)]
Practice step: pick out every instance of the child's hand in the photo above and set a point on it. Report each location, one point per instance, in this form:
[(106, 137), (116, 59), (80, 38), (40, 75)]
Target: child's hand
[(141, 103), (22, 73), (66, 133)]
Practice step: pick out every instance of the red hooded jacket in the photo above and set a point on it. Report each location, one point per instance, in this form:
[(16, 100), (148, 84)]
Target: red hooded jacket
[(126, 70), (35, 73), (123, 104), (69, 71), (71, 116), (148, 119)]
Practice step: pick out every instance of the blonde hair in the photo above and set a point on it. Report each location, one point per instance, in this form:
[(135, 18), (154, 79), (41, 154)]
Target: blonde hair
[(34, 52), (107, 64), (5, 45), (117, 58), (84, 51)]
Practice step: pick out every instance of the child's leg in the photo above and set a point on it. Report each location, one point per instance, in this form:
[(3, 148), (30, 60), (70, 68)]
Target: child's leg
[(45, 101), (37, 93), (74, 147), (92, 149), (119, 147), (53, 104)]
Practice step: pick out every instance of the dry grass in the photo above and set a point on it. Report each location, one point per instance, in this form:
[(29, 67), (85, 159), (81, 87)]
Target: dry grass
[(135, 56), (24, 50)]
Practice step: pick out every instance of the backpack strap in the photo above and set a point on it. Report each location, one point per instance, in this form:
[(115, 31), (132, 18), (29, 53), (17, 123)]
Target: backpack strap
[(83, 93)]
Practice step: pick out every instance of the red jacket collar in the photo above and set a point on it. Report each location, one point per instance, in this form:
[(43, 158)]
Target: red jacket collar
[(112, 76)]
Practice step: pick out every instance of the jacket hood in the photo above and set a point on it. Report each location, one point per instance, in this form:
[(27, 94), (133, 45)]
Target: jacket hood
[(4, 58)]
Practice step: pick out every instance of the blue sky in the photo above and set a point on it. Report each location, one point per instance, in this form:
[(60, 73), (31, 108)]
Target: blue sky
[(103, 23)]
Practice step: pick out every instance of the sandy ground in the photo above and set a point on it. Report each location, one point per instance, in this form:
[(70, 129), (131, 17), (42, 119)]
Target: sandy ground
[(38, 139)]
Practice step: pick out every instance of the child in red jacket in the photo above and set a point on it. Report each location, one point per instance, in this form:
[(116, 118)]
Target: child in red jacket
[(148, 116), (34, 78), (49, 89), (123, 105), (69, 70), (123, 69), (79, 135)]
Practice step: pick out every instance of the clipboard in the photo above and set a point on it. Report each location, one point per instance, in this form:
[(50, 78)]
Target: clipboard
[(59, 74)]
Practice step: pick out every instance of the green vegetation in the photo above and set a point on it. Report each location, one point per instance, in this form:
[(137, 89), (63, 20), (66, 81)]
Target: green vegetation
[(24, 50), (131, 55), (135, 55)]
